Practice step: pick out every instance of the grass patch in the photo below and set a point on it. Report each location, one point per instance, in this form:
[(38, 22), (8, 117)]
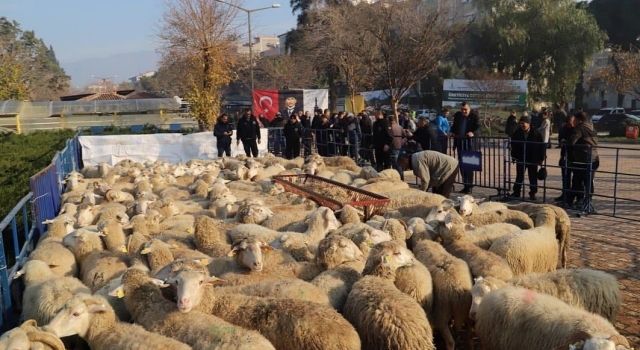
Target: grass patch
[(21, 156)]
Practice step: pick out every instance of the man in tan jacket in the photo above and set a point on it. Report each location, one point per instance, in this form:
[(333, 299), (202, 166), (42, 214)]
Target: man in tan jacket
[(434, 169)]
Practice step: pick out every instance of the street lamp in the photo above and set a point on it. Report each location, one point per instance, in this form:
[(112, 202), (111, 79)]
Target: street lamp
[(249, 12)]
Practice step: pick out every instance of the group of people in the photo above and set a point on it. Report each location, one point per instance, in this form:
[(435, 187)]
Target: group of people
[(577, 141), (421, 145)]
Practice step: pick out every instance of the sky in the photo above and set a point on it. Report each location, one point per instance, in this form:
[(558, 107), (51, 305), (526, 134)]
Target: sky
[(117, 38)]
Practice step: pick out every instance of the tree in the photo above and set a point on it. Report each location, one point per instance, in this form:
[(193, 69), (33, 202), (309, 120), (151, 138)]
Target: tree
[(409, 41), (32, 63), (201, 33), (622, 74), (620, 19), (547, 42), (287, 71), (12, 85)]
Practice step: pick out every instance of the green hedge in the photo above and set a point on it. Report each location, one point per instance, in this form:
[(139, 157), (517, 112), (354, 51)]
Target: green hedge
[(21, 156)]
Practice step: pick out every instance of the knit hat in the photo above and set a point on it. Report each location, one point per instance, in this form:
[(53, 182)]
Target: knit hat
[(525, 119)]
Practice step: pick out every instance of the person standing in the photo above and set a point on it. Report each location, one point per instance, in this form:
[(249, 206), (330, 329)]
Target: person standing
[(223, 132), (322, 138), (528, 151), (583, 145), (545, 128), (442, 127), (248, 131), (465, 126), (353, 134), (381, 141), (565, 158), (433, 168), (426, 137), (366, 128), (559, 116), (511, 125), (292, 133), (398, 139)]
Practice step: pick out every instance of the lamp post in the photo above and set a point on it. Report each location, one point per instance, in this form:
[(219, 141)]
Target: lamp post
[(249, 12)]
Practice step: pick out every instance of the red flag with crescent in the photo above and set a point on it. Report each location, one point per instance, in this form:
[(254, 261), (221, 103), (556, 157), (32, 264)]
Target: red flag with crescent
[(265, 102)]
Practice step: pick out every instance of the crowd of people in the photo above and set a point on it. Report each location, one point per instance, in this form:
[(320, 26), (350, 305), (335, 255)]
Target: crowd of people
[(386, 142)]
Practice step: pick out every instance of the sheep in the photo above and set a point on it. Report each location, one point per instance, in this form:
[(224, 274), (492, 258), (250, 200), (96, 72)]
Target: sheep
[(288, 216), (30, 336), (341, 162), (518, 318), (174, 194), (381, 185), (562, 227), (224, 206), (592, 290), (210, 237), (385, 317), (481, 262), (349, 214), (253, 213), (418, 229), (411, 202), (117, 303), (532, 250), (59, 227), (342, 177), (69, 209), (451, 288), (396, 228), (60, 259), (471, 206), (413, 279), (201, 331), (160, 253), (269, 172), (368, 172), (113, 235), (363, 235), (515, 217), (100, 267), (45, 293), (92, 319), (86, 215), (119, 196), (82, 243), (343, 264), (485, 235)]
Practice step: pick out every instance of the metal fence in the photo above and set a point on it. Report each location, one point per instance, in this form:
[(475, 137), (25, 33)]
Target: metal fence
[(22, 227)]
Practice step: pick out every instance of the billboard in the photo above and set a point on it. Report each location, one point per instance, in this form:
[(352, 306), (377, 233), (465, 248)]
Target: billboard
[(500, 93), (287, 102)]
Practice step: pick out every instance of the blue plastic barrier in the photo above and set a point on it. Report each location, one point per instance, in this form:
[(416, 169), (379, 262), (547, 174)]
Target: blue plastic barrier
[(44, 201)]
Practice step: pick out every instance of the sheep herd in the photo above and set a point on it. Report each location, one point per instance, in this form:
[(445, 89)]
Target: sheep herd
[(214, 255)]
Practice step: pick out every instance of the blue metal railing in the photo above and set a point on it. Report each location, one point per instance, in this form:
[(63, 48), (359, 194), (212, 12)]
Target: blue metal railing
[(42, 203)]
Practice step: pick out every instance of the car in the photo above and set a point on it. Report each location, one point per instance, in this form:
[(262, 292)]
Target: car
[(596, 117), (635, 112), (428, 113), (616, 123)]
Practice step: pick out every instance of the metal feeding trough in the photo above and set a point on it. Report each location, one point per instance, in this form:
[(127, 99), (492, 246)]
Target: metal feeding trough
[(333, 194)]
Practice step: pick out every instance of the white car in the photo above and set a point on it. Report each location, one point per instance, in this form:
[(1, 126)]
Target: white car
[(429, 113), (602, 112)]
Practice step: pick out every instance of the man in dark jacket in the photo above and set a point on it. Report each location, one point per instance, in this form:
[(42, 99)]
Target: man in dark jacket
[(583, 147), (512, 124), (565, 157), (248, 131), (292, 133), (353, 135), (465, 126), (426, 137), (366, 128), (223, 132), (381, 141), (528, 151)]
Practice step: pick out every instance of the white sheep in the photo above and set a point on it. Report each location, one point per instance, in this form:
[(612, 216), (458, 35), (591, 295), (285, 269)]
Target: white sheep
[(472, 206), (248, 312), (517, 318), (363, 235), (480, 261), (199, 330), (412, 202), (447, 206), (532, 250), (45, 293), (92, 319), (592, 290), (451, 288), (30, 336)]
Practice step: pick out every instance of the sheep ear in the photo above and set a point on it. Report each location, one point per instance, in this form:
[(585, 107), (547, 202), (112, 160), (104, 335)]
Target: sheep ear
[(98, 308), (448, 221), (202, 261), (160, 283), (479, 200), (18, 274), (145, 251), (233, 251), (118, 292)]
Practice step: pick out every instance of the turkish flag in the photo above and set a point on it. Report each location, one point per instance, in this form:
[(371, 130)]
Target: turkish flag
[(265, 102)]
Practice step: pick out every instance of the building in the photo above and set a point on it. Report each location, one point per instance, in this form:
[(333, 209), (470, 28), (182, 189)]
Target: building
[(262, 46), (139, 77), (457, 10), (598, 95)]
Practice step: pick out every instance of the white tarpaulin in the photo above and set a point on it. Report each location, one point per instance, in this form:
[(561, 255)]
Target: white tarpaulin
[(173, 148), (318, 98)]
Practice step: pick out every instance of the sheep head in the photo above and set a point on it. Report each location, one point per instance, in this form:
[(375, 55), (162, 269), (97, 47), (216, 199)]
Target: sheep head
[(439, 212), (322, 220), (482, 287), (190, 286), (35, 271), (77, 315), (386, 257), (15, 339), (467, 204), (335, 250), (248, 253)]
